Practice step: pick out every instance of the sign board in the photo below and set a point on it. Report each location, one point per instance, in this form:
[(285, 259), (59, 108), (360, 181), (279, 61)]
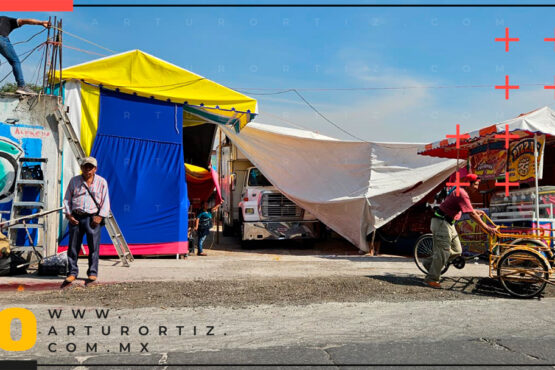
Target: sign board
[(489, 161), (520, 161)]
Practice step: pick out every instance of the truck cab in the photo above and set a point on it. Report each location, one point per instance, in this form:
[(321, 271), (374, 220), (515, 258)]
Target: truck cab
[(267, 214)]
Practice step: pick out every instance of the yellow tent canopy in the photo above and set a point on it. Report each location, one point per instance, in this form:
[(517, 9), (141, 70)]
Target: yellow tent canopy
[(136, 72), (197, 173)]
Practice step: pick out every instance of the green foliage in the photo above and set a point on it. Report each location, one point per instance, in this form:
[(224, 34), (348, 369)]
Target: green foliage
[(10, 87)]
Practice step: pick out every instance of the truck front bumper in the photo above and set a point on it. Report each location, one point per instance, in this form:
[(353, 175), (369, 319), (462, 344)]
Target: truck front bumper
[(276, 230)]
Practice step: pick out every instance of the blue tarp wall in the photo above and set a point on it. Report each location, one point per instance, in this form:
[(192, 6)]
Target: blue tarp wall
[(139, 148)]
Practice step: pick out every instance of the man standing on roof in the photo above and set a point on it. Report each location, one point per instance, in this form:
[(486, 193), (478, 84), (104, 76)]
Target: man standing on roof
[(446, 243), (7, 25), (86, 204)]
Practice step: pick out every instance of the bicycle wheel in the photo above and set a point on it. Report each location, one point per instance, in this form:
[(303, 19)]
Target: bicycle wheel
[(423, 250), (522, 273)]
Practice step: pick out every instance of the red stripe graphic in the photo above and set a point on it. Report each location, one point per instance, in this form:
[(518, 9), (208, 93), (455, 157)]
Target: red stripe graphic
[(37, 6)]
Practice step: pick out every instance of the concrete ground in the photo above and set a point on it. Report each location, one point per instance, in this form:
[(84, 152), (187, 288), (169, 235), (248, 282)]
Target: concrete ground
[(226, 265), (277, 306)]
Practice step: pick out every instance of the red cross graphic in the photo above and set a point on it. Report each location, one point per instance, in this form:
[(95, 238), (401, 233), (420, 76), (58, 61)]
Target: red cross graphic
[(507, 136), (458, 183), (550, 86), (458, 136), (507, 39), (506, 184), (549, 39), (507, 87)]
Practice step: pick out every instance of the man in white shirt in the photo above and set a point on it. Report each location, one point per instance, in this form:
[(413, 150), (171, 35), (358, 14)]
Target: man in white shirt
[(86, 204)]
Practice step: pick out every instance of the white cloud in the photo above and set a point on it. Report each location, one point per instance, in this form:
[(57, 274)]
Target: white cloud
[(377, 116)]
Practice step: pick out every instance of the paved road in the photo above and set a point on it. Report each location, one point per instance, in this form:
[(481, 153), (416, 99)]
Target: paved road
[(484, 331), (468, 328), (480, 353)]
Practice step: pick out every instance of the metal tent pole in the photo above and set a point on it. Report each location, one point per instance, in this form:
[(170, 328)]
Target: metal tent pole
[(53, 59), (536, 180), (60, 40), (46, 55), (219, 214)]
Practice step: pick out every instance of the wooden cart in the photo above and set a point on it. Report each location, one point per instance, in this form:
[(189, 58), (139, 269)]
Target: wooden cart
[(523, 261)]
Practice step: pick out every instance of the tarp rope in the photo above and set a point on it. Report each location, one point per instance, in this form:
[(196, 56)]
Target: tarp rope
[(83, 39)]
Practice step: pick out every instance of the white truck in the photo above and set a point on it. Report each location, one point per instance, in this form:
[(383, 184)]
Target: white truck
[(254, 208)]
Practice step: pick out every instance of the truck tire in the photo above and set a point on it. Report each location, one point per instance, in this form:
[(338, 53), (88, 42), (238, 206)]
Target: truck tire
[(247, 244), (308, 243)]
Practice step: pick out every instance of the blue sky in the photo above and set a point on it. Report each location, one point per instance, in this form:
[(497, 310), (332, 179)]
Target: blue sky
[(261, 51)]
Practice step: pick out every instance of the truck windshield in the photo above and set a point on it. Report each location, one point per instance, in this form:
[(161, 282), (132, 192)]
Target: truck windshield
[(256, 178)]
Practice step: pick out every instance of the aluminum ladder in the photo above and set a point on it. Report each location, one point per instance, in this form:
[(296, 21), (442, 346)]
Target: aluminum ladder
[(111, 225), (29, 183)]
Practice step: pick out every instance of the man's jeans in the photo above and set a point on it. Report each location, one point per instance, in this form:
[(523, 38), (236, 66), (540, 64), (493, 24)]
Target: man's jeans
[(7, 50), (76, 233)]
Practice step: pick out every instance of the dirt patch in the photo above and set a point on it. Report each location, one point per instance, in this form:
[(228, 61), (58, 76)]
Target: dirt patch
[(243, 293)]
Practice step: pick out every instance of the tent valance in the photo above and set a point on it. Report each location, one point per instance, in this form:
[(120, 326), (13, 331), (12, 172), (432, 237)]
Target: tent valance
[(138, 73), (539, 121)]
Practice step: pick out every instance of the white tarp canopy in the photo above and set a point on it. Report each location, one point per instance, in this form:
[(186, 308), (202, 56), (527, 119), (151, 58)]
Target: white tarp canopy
[(352, 187)]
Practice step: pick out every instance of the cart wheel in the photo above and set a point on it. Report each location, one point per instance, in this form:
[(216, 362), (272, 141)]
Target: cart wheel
[(459, 262), (423, 250), (522, 273)]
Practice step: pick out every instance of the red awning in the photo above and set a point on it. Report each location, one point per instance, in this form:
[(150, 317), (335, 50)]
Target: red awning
[(539, 121)]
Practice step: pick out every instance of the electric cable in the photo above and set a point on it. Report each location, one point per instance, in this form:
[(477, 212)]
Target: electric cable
[(326, 119), (30, 52), (21, 54), (252, 90), (317, 112), (296, 91), (83, 50), (39, 67), (262, 94), (30, 38), (296, 125), (83, 39)]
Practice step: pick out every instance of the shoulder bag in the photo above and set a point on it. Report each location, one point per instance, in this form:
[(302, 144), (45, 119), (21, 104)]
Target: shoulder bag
[(103, 222)]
